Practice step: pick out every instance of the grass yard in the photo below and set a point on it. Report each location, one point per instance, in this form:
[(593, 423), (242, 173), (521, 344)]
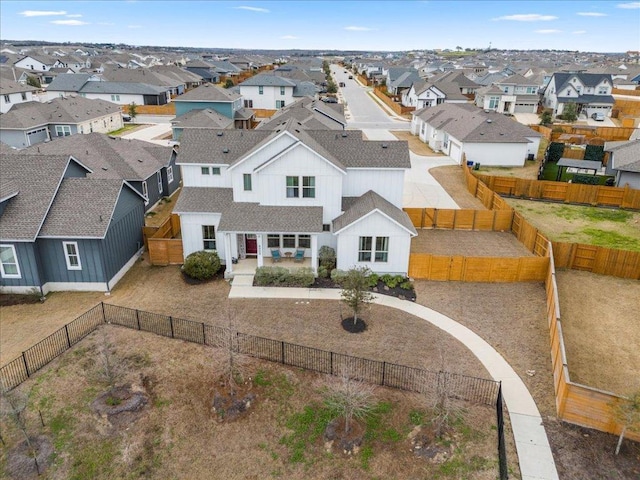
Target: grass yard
[(177, 436), (550, 172), (603, 227), (127, 128)]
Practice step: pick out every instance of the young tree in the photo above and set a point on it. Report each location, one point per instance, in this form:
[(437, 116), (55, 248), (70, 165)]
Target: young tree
[(545, 117), (12, 406), (110, 367), (228, 83), (355, 290), (570, 112), (33, 81), (132, 110), (349, 398), (628, 414)]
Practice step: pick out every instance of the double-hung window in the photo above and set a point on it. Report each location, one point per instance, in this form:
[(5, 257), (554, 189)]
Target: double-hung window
[(115, 98), (63, 130), (309, 187), (9, 267), (246, 178), (382, 249), (169, 174), (72, 255), (281, 90), (293, 187), (367, 253), (209, 237), (159, 178), (364, 249), (280, 103), (204, 170), (260, 90)]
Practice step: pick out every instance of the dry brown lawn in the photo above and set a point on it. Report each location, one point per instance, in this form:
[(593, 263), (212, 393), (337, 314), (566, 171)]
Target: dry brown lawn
[(452, 180), (528, 171), (416, 145), (162, 211), (468, 243)]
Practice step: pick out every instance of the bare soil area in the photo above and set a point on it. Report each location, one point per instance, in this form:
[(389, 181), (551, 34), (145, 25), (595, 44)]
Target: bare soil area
[(468, 243), (416, 145), (162, 211), (176, 435), (601, 329), (528, 171), (452, 180)]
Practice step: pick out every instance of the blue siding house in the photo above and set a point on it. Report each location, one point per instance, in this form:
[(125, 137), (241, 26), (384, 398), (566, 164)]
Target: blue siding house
[(150, 169), (60, 230)]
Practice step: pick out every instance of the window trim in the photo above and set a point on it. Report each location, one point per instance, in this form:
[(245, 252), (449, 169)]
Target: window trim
[(206, 240), (282, 91), (205, 171), (383, 253), (159, 178), (169, 174), (363, 251), (215, 171), (289, 237), (3, 272), (145, 192), (295, 187), (260, 90), (61, 130), (306, 237), (7, 99), (247, 181), (309, 191), (67, 255), (280, 104), (273, 240)]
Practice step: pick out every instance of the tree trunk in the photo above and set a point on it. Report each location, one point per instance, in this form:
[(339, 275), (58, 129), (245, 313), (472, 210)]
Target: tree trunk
[(355, 317), (624, 429)]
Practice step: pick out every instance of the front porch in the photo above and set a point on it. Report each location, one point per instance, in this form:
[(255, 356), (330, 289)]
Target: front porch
[(248, 266)]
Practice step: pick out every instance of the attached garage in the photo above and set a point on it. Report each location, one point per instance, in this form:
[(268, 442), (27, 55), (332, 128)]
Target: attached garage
[(525, 108), (455, 152), (37, 136)]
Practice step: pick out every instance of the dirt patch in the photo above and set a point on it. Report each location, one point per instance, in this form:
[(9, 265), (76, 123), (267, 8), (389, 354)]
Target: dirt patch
[(529, 171), (8, 299), (416, 145), (601, 329), (162, 211), (23, 464), (468, 243), (451, 177)]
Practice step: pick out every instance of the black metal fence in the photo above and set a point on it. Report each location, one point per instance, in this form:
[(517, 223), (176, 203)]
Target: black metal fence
[(478, 390)]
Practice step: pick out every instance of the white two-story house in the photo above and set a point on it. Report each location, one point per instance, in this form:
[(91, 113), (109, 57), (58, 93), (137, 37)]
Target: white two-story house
[(267, 92), (249, 193), (514, 94), (426, 94), (13, 93), (591, 92)]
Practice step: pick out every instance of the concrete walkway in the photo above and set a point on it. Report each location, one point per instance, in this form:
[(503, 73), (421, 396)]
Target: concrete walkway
[(534, 453), (149, 133)]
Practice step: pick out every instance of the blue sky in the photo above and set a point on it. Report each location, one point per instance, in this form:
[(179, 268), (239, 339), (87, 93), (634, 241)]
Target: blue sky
[(600, 26)]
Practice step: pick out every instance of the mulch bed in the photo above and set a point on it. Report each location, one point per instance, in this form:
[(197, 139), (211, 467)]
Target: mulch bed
[(194, 281), (8, 299), (401, 293), (350, 326)]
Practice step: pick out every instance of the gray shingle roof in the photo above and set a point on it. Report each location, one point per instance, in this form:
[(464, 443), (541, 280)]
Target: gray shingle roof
[(8, 188), (367, 203), (626, 157), (468, 123), (37, 178), (248, 217), (121, 88), (67, 110), (608, 99), (588, 79), (206, 118), (517, 79), (208, 93), (68, 82), (266, 80), (7, 87), (206, 146), (82, 208), (115, 158)]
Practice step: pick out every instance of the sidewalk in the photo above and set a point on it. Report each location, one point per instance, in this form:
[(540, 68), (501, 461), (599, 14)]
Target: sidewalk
[(150, 133), (534, 453)]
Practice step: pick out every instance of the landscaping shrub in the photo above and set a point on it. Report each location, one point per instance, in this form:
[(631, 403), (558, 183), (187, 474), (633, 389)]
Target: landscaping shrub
[(327, 257), (594, 153), (586, 179), (271, 276), (556, 149), (302, 277), (323, 272), (373, 280), (407, 285), (338, 276), (201, 265)]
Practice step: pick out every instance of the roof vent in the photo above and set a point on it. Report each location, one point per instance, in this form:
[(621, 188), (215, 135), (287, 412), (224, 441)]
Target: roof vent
[(105, 168), (489, 120), (481, 133), (344, 134), (87, 152), (139, 160), (225, 150), (219, 134), (384, 145)]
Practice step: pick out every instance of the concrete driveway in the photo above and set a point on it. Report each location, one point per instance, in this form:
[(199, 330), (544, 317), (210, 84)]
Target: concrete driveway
[(151, 134)]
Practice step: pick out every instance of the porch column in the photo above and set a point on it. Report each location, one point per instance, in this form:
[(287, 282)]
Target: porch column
[(259, 245), (227, 254), (314, 254)]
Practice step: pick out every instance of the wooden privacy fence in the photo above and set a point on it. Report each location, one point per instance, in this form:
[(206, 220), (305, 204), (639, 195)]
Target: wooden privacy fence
[(477, 269), (396, 107), (575, 403), (167, 109), (627, 107), (595, 195), (162, 243), (464, 219)]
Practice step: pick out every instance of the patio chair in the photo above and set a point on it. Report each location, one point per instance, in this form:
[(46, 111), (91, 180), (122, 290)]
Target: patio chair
[(275, 256), (299, 256)]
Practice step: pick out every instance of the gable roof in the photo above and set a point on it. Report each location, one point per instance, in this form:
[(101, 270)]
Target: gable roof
[(266, 80), (587, 79), (7, 87), (517, 79), (205, 118), (362, 206), (208, 93), (122, 88), (37, 178), (626, 157), (115, 158), (311, 114)]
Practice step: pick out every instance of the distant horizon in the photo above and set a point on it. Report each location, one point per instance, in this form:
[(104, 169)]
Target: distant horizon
[(365, 26)]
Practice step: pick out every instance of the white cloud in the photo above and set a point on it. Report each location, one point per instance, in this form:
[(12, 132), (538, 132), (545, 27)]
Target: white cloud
[(354, 28), (73, 23), (289, 37), (41, 13), (527, 17), (579, 32), (75, 15), (592, 14), (252, 9), (548, 30), (629, 6)]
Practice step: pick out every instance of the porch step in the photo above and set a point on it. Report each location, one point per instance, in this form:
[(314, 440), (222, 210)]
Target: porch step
[(240, 280)]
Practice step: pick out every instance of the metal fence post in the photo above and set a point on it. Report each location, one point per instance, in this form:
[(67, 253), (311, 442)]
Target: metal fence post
[(138, 318), (204, 335), (26, 367), (384, 367), (331, 361), (282, 352), (104, 316), (66, 330), (171, 323)]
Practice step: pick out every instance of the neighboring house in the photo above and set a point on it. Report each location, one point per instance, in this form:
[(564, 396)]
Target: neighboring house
[(32, 123), (190, 80), (624, 162), (591, 92), (248, 192), (514, 94), (222, 100), (41, 63), (466, 133), (172, 84), (116, 92), (13, 93), (312, 114), (62, 231), (403, 82), (426, 94), (273, 92), (150, 169), (202, 119), (204, 70)]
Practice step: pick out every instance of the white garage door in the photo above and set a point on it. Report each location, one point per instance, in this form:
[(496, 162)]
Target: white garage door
[(525, 108), (455, 152)]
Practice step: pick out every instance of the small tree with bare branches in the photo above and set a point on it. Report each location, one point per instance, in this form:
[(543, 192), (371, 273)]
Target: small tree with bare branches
[(627, 412), (12, 407), (349, 397)]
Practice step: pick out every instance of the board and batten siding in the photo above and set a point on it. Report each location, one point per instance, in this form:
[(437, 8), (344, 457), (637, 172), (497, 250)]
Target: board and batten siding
[(302, 162), (223, 108), (75, 171), (191, 226), (170, 187), (125, 98), (267, 100), (192, 177), (54, 265), (387, 183), (19, 138), (375, 225), (496, 154), (124, 236), (28, 265)]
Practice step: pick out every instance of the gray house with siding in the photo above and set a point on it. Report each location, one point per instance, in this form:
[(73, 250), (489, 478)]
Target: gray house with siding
[(60, 230), (624, 162), (148, 168)]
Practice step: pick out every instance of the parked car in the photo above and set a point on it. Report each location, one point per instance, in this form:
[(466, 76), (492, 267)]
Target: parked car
[(350, 77), (598, 116), (126, 117), (342, 84), (329, 99)]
